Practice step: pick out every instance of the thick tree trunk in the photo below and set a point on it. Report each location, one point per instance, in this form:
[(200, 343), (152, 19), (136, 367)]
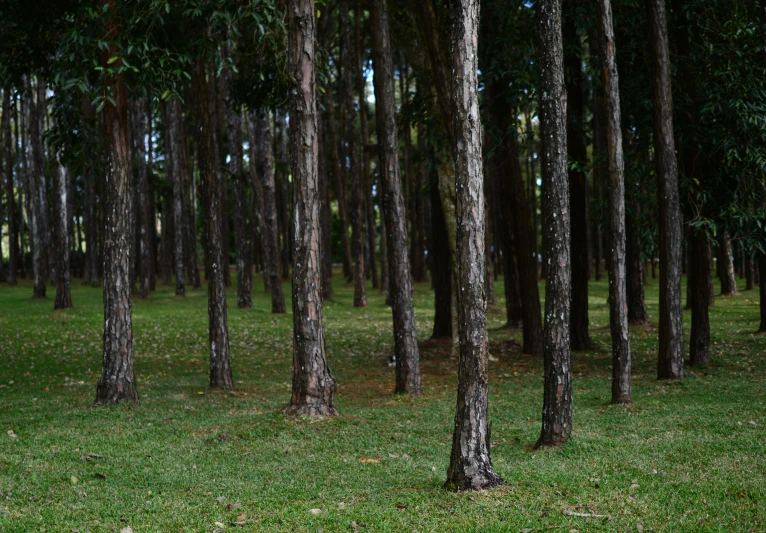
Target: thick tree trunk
[(61, 204), (117, 382), (618, 304), (470, 464), (670, 364), (13, 232), (557, 402), (38, 223), (578, 185), (218, 330), (726, 264), (441, 272), (700, 280), (405, 334), (270, 226), (313, 384)]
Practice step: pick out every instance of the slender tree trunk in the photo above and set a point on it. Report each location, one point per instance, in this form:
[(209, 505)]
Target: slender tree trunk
[(61, 205), (189, 212), (172, 109), (405, 334), (599, 178), (325, 213), (144, 205), (637, 314), (117, 382), (13, 249), (749, 272), (441, 270), (700, 279), (557, 403), (284, 199), (38, 193), (218, 330), (762, 289), (418, 214), (166, 236), (618, 304), (670, 364), (313, 383), (726, 264), (489, 279), (470, 464), (270, 227), (385, 271), (578, 184)]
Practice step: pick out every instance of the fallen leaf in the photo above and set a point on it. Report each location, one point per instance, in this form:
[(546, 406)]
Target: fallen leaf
[(368, 461), (315, 511), (11, 434), (74, 480)]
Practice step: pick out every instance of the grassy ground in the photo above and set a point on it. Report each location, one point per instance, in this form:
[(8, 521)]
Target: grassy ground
[(686, 456)]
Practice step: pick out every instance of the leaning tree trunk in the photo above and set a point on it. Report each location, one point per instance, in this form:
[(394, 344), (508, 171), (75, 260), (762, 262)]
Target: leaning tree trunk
[(313, 386), (405, 334), (557, 402), (470, 463), (13, 249), (218, 329), (117, 382), (726, 264), (270, 226), (63, 292), (618, 304), (38, 223), (699, 280), (670, 363)]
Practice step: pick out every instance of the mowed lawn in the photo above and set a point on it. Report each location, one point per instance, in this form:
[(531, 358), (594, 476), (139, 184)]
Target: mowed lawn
[(688, 456)]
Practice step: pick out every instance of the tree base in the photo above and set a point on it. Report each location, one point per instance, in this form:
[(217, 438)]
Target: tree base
[(486, 479), (115, 395), (550, 442), (314, 411), (621, 400)]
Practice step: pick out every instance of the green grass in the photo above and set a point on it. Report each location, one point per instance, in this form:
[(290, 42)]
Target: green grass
[(687, 456)]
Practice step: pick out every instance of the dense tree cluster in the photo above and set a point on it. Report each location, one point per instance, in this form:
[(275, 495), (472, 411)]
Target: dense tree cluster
[(148, 142)]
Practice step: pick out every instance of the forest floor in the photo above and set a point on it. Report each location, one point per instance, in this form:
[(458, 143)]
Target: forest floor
[(686, 456)]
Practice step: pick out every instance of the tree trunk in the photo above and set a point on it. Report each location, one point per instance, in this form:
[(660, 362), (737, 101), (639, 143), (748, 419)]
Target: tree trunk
[(61, 205), (313, 385), (749, 272), (557, 402), (762, 289), (13, 232), (441, 270), (218, 330), (470, 464), (637, 314), (270, 226), (189, 213), (38, 195), (726, 264), (405, 334), (172, 111), (700, 279), (670, 364), (144, 205), (166, 235), (599, 178), (618, 304), (418, 214), (578, 185), (117, 382), (325, 213)]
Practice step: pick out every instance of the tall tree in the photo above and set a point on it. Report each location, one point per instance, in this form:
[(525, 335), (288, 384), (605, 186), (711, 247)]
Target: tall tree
[(117, 382), (470, 464), (7, 148), (618, 304), (146, 218), (699, 280), (557, 402), (38, 222), (218, 328), (670, 364), (313, 385), (62, 200), (173, 147), (726, 272), (405, 334)]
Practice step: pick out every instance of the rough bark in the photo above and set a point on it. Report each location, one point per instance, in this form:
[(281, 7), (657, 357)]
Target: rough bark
[(699, 280), (117, 382), (38, 223), (726, 264), (557, 402), (441, 272), (618, 304), (470, 464), (313, 384), (270, 226), (13, 248), (405, 334), (61, 204), (172, 109), (670, 364), (218, 330)]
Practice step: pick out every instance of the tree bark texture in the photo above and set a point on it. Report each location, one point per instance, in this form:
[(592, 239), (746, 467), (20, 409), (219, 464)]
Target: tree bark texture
[(146, 220), (557, 402), (470, 464), (313, 385), (172, 110), (670, 364), (62, 200), (699, 280), (618, 297), (7, 147), (441, 270), (38, 223), (270, 225), (405, 334), (726, 264), (578, 184), (117, 382), (218, 329)]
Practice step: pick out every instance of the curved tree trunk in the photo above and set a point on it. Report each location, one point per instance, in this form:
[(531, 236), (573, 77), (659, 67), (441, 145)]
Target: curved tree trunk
[(313, 384), (63, 292), (670, 364), (557, 402), (117, 382), (470, 464), (218, 329), (618, 304), (405, 334)]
